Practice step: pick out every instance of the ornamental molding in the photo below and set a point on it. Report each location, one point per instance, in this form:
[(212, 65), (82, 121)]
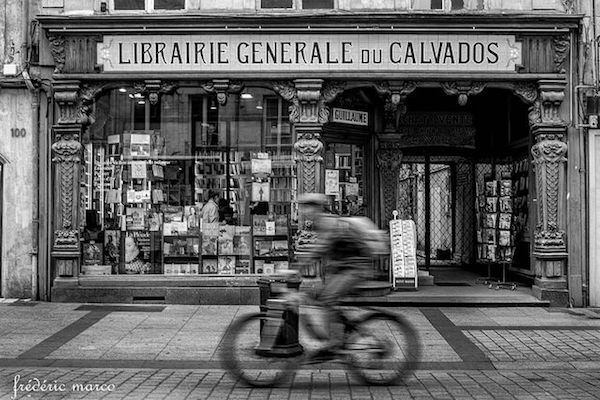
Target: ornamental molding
[(561, 46), (329, 92), (395, 95), (552, 94), (568, 6), (389, 156), (66, 239), (288, 92), (526, 91), (223, 88), (309, 146), (463, 90), (66, 95), (57, 49)]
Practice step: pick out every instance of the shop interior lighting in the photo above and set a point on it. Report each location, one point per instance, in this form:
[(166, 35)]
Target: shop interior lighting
[(138, 96), (246, 96), (213, 104), (142, 102), (259, 105), (122, 90)]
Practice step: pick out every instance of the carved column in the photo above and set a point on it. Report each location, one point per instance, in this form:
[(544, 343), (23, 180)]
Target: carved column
[(308, 112), (389, 158), (549, 160), (222, 87), (66, 159)]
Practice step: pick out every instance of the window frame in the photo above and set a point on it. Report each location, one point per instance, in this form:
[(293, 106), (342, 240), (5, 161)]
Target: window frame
[(148, 7), (297, 5)]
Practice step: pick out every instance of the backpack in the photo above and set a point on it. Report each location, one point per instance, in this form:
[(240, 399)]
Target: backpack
[(365, 234)]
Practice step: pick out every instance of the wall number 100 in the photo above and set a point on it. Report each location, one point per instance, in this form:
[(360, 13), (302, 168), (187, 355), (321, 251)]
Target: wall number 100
[(16, 132)]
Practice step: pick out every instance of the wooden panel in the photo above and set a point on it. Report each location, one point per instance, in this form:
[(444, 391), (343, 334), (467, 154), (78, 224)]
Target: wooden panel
[(538, 54), (594, 217), (80, 54)]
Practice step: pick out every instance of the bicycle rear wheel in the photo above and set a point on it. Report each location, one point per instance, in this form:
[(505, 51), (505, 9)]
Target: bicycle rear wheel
[(249, 360), (383, 348)]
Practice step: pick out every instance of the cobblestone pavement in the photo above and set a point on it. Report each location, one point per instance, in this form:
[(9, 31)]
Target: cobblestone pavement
[(171, 352)]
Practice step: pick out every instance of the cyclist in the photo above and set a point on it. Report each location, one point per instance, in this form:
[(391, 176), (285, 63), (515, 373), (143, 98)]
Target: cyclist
[(348, 243)]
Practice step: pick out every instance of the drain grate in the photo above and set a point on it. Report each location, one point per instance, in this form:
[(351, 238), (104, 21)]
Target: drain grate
[(452, 284)]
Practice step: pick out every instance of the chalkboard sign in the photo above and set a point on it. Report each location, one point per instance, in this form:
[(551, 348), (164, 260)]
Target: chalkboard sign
[(403, 253)]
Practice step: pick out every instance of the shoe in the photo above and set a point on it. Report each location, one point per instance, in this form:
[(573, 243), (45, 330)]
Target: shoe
[(322, 355)]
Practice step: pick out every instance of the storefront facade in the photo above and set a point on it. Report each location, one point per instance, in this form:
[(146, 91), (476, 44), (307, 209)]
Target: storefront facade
[(159, 113)]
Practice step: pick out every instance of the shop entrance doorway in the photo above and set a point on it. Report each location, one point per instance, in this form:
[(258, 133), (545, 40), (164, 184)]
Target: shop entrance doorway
[(438, 193)]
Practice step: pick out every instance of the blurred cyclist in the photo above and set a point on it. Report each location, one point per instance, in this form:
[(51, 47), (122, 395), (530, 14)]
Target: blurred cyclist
[(348, 244)]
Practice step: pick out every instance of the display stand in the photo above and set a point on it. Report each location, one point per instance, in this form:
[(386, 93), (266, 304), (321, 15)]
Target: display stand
[(403, 271), (495, 235)]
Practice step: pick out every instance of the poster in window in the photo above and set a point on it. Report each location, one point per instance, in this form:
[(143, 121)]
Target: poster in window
[(226, 265), (114, 143), (140, 145), (138, 169), (261, 191), (92, 253), (112, 249), (209, 266), (137, 253), (261, 165), (332, 182), (135, 218)]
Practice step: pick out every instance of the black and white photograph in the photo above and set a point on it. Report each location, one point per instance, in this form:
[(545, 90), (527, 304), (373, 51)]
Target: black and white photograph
[(300, 199)]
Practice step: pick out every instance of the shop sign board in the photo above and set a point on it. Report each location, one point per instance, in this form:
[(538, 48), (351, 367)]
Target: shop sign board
[(306, 52), (403, 253), (352, 117)]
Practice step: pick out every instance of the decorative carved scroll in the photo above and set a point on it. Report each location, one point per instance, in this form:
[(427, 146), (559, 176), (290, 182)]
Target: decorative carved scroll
[(87, 97), (463, 90), (57, 49), (288, 92), (389, 158), (569, 6), (330, 90), (222, 87), (66, 152), (526, 91), (561, 46), (395, 95)]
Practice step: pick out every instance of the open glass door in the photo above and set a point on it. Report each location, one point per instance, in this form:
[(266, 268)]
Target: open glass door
[(344, 178)]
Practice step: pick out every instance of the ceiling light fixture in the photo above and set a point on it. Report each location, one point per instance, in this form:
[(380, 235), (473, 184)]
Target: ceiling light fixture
[(122, 90), (259, 105), (213, 104)]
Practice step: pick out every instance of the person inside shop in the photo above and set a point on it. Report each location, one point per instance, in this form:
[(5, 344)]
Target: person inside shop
[(225, 211), (348, 243), (210, 210)]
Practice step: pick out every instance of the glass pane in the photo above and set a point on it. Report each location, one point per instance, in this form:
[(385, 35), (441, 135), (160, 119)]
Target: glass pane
[(169, 4), (458, 4), (129, 4), (344, 178), (311, 4), (276, 3), (188, 186)]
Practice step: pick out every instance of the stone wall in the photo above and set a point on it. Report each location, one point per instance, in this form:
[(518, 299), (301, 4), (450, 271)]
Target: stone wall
[(18, 192)]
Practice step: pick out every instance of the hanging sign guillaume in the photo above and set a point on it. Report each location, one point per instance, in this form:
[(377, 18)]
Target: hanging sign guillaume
[(302, 52)]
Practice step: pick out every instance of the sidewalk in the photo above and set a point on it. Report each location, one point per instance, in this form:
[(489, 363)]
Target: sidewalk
[(172, 352)]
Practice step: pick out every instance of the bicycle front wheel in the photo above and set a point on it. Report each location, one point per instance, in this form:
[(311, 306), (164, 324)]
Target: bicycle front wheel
[(251, 360), (383, 348)]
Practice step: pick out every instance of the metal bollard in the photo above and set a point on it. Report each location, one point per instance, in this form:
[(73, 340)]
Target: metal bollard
[(286, 343)]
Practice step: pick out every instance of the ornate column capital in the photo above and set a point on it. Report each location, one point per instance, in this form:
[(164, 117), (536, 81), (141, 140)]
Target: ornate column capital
[(308, 92), (552, 94), (223, 88), (309, 98), (308, 146), (389, 156), (463, 90), (66, 95)]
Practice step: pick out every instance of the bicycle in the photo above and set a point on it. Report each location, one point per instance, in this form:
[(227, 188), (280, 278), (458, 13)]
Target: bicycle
[(380, 348)]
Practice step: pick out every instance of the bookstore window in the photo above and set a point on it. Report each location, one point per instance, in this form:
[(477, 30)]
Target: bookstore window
[(186, 186)]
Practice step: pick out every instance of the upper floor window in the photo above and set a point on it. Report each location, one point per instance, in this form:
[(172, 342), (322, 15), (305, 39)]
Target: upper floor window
[(297, 4), (147, 5), (448, 4)]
